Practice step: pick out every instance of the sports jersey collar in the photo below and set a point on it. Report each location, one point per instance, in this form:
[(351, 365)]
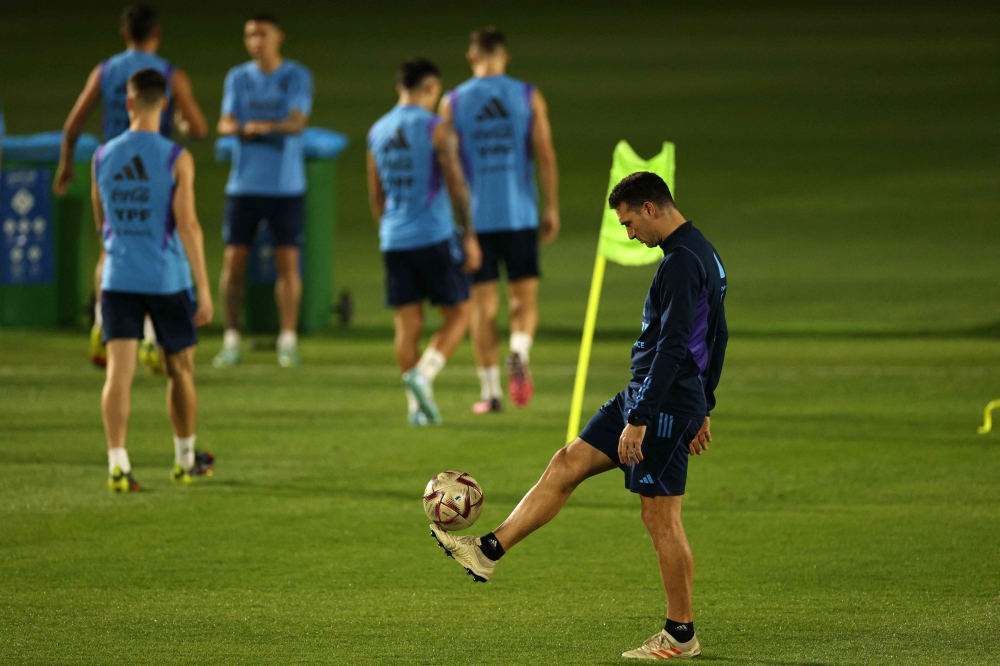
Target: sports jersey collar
[(258, 70), (678, 234)]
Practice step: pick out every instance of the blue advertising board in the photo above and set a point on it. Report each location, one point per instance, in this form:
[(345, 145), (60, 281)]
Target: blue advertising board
[(26, 245)]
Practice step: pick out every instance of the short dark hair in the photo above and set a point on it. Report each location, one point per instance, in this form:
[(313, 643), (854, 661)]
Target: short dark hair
[(488, 40), (148, 87), (414, 71), (139, 21), (637, 188), (266, 17)]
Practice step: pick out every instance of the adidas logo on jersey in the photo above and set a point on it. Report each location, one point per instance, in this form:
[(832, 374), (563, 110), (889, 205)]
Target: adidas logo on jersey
[(397, 142), (493, 110), (648, 479), (134, 171)]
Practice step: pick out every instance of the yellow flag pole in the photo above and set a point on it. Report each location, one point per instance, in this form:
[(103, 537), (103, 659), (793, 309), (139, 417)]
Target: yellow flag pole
[(585, 345)]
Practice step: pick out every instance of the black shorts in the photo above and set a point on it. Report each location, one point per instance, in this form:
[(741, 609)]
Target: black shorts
[(172, 314), (244, 213), (433, 272), (517, 249), (663, 470)]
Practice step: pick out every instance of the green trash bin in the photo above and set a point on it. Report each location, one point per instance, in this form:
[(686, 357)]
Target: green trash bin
[(47, 243), (321, 148)]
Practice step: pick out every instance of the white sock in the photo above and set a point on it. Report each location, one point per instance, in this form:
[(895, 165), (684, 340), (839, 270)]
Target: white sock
[(231, 338), (412, 406), (489, 382), (431, 363), (287, 340), (148, 332), (98, 316), (184, 452), (520, 344), (495, 382), (118, 457)]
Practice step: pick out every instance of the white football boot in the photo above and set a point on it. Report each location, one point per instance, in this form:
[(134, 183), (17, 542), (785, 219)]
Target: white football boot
[(665, 646), (465, 551)]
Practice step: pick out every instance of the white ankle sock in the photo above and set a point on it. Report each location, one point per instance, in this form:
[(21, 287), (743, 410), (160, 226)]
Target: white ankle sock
[(431, 363), (489, 382), (231, 338), (520, 344), (98, 315), (148, 332), (287, 340), (412, 406), (118, 457), (184, 452)]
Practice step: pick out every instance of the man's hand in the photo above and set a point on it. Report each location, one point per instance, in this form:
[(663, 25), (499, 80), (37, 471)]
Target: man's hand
[(65, 175), (473, 254), (255, 128), (550, 225), (701, 439), (630, 444), (205, 310)]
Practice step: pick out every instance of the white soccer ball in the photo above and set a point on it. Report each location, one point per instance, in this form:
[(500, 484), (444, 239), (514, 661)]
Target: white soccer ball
[(453, 500)]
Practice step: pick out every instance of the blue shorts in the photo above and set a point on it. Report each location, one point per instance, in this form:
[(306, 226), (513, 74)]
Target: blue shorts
[(663, 470), (172, 314), (433, 272), (517, 249), (245, 212)]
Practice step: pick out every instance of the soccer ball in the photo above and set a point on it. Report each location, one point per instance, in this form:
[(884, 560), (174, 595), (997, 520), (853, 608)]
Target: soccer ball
[(453, 500)]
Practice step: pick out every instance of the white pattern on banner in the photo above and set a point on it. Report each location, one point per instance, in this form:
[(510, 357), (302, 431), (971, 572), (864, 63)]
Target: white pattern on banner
[(26, 247)]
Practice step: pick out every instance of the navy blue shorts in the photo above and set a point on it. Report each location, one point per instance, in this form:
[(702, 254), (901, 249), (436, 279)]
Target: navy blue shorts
[(433, 272), (517, 249), (245, 212), (665, 450), (172, 314)]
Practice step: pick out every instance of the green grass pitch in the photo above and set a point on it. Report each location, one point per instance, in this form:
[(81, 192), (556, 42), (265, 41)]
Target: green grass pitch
[(843, 161)]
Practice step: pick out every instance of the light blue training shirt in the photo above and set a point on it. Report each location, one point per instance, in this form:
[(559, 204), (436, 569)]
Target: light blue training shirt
[(273, 164), (493, 118), (135, 180), (417, 209), (115, 73)]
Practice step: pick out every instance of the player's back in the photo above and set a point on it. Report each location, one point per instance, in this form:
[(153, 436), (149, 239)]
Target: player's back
[(115, 72), (493, 118), (417, 210), (135, 179)]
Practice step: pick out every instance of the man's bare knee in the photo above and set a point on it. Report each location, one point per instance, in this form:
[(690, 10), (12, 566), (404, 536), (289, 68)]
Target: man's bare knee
[(180, 365), (662, 514), (566, 469)]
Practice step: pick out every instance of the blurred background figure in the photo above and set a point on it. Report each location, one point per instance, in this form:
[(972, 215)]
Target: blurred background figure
[(410, 152), (140, 28), (503, 128), (266, 103)]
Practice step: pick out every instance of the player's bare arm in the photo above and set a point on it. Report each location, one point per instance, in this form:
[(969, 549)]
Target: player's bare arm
[(446, 145), (189, 119), (293, 124), (73, 127), (548, 167), (95, 197), (376, 195), (189, 230)]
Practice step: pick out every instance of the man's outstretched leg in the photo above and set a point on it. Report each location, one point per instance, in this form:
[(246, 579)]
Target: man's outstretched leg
[(116, 407), (570, 466), (662, 517)]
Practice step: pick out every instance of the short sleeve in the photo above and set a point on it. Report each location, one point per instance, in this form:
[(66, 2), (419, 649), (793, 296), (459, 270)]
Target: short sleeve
[(300, 92), (230, 105)]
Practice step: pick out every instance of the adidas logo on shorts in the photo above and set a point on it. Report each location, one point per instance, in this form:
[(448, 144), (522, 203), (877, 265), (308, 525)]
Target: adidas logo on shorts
[(648, 479)]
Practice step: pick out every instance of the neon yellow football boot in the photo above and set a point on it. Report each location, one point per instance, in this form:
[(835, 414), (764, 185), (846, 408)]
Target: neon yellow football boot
[(180, 475), (151, 357), (119, 482), (98, 354)]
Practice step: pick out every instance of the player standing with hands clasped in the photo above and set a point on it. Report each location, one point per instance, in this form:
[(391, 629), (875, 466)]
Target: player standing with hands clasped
[(143, 198), (649, 429), (503, 128), (266, 103), (412, 153)]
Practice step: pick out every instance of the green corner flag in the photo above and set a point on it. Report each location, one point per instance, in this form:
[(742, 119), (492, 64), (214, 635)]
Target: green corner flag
[(614, 244)]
